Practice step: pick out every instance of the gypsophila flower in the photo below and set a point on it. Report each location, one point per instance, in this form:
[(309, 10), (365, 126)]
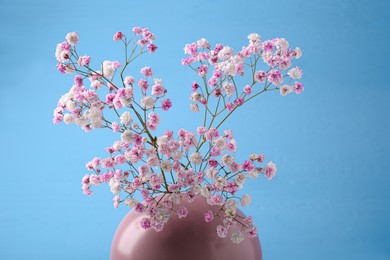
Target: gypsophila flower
[(237, 237), (147, 72), (129, 80), (297, 87), (118, 36), (295, 73), (270, 170), (72, 38), (126, 118), (196, 158), (285, 89), (170, 168), (246, 200), (147, 102)]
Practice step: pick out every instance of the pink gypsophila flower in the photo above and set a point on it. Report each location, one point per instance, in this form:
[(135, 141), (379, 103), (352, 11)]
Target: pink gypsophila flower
[(158, 90), (208, 216), (137, 30), (118, 36), (143, 84), (260, 76), (275, 77), (147, 72), (84, 61), (152, 48), (202, 70), (182, 212), (270, 170), (248, 89), (145, 223), (166, 105), (298, 87)]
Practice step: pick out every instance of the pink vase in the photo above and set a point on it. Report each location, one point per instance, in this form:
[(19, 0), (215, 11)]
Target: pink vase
[(189, 238)]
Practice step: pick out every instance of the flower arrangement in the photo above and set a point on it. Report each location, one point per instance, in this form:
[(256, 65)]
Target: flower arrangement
[(172, 167)]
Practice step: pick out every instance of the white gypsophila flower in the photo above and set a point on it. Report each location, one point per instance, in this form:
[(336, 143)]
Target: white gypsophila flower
[(148, 102), (285, 89), (195, 96), (228, 68), (57, 54), (227, 159), (231, 205), (129, 80), (211, 173), (108, 69), (196, 158), (64, 99), (222, 231), (253, 157), (125, 101), (162, 215), (68, 119), (246, 200), (96, 84), (298, 53), (82, 121), (228, 88), (253, 174), (72, 38), (126, 118), (162, 140), (237, 237), (196, 189), (240, 180), (177, 156), (194, 107), (220, 142), (282, 43), (127, 137), (131, 202), (70, 69), (205, 192), (61, 54), (57, 110), (266, 56), (95, 117), (158, 81), (295, 73), (166, 166), (70, 105), (115, 186), (220, 182), (203, 43), (254, 38), (230, 213), (175, 198), (117, 145), (237, 59), (226, 53)]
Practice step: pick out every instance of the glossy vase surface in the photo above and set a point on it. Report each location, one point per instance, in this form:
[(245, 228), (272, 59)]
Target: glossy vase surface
[(189, 238)]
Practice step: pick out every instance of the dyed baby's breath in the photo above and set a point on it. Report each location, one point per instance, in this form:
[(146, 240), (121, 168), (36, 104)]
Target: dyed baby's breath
[(172, 167)]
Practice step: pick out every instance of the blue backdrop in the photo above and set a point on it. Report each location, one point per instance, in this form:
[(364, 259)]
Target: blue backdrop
[(330, 198)]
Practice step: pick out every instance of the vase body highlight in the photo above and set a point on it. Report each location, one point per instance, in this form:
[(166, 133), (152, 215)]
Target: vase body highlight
[(189, 238)]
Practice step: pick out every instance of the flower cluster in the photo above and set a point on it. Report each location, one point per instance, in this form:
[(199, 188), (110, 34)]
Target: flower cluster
[(217, 68), (169, 168)]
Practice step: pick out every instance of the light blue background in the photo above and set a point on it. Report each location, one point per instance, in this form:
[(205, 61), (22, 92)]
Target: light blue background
[(330, 199)]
